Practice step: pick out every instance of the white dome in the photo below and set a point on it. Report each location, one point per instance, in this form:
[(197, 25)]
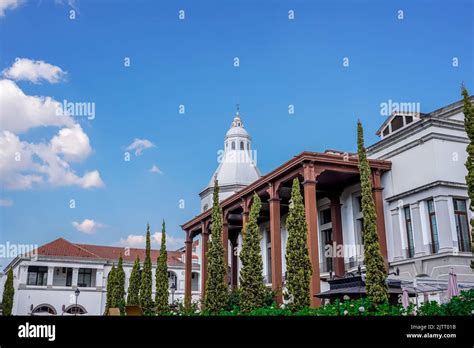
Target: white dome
[(237, 132), (237, 165)]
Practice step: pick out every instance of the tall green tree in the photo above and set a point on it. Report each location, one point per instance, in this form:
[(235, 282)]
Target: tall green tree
[(110, 289), (376, 274), (118, 291), (133, 296), (216, 293), (469, 125), (251, 274), (162, 283), (8, 294), (146, 285), (298, 263)]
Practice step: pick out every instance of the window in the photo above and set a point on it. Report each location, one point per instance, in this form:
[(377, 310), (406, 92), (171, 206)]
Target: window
[(37, 275), (462, 225), (397, 123), (205, 207), (359, 202), (386, 131), (84, 278), (325, 216), (44, 309), (327, 240), (172, 280), (409, 228), (248, 146), (233, 145), (242, 145), (433, 226), (75, 310), (269, 256), (408, 119)]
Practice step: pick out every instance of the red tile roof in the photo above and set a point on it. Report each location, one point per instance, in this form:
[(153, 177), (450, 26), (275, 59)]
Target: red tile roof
[(64, 248)]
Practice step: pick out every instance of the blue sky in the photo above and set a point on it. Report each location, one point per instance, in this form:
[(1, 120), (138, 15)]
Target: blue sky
[(191, 62)]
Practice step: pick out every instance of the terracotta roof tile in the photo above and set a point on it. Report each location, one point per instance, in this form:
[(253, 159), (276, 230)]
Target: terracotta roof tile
[(61, 247)]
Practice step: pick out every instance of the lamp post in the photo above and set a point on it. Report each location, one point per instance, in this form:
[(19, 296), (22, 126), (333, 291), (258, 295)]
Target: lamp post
[(77, 292)]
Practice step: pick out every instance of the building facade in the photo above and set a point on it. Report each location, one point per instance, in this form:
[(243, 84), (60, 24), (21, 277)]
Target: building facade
[(418, 179), (45, 281)]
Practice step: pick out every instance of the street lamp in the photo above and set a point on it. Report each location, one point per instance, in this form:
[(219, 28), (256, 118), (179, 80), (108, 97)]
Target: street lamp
[(77, 292)]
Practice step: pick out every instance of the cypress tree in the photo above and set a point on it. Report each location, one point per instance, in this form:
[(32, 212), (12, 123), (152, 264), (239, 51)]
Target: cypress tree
[(216, 293), (298, 264), (110, 290), (118, 291), (376, 275), (469, 126), (8, 293), (133, 296), (146, 282), (162, 284), (251, 274)]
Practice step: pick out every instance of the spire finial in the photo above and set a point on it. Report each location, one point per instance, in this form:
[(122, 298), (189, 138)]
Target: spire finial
[(238, 109)]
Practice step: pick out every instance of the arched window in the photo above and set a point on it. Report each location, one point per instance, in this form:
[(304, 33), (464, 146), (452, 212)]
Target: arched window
[(233, 145), (242, 145), (226, 145), (44, 309), (248, 146), (75, 310), (205, 208)]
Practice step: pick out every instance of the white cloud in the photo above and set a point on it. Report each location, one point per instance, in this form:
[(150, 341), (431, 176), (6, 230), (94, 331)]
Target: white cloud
[(8, 5), (21, 112), (6, 202), (139, 241), (24, 164), (155, 169), (34, 71), (139, 145), (72, 142), (87, 226)]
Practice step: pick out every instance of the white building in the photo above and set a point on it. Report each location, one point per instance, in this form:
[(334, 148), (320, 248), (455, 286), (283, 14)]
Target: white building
[(45, 282)]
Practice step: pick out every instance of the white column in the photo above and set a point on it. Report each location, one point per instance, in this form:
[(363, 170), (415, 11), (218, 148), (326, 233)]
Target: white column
[(49, 282), (417, 230), (397, 235), (99, 279), (443, 220)]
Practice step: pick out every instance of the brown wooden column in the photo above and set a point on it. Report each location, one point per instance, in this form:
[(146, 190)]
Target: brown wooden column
[(225, 242), (336, 221), (204, 249), (188, 269), (275, 231), (245, 213), (311, 211), (378, 200)]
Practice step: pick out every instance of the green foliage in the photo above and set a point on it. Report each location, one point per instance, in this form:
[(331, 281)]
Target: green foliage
[(216, 291), (118, 290), (8, 294), (298, 264), (146, 282), (469, 126), (251, 274), (458, 305), (376, 274), (162, 284), (109, 289), (133, 297)]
